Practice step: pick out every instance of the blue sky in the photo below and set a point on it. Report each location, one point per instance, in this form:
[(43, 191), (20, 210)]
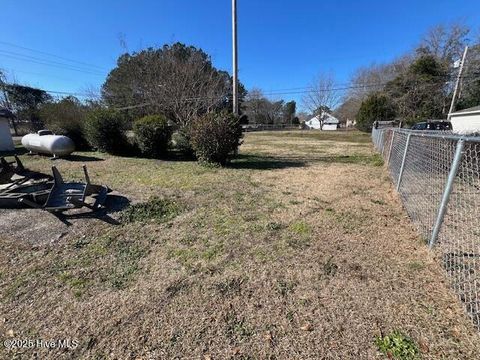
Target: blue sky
[(283, 44)]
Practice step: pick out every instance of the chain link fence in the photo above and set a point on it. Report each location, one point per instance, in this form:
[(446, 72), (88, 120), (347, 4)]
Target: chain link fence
[(438, 178)]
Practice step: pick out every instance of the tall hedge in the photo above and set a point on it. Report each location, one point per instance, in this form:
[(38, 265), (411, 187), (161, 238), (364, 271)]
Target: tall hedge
[(215, 137), (152, 135), (105, 131), (376, 107)]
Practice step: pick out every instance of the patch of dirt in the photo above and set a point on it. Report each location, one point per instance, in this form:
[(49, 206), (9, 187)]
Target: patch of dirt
[(39, 228)]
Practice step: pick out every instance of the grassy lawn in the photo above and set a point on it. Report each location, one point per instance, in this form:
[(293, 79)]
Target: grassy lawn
[(298, 250)]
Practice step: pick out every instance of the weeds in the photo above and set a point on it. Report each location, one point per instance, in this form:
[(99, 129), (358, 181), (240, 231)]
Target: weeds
[(230, 286), (285, 287), (176, 287), (122, 263), (301, 228), (15, 288), (416, 265), (350, 221), (330, 268), (273, 226), (299, 237), (128, 256), (237, 327), (290, 316), (398, 346), (77, 284), (154, 210)]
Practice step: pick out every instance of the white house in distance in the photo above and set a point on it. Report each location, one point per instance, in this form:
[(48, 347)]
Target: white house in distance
[(351, 123), (329, 122), (466, 121), (6, 141)]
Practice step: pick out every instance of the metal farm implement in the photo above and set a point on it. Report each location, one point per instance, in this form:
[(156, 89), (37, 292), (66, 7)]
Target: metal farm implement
[(51, 193)]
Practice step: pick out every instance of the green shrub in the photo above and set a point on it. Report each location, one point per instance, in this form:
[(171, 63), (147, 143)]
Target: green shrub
[(105, 131), (152, 134), (181, 142), (215, 137)]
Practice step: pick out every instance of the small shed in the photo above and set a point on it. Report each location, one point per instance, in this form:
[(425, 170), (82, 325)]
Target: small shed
[(466, 121), (6, 141)]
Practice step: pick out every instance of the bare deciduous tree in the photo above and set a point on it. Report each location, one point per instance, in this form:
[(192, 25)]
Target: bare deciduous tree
[(254, 104), (3, 90), (261, 110), (322, 94), (348, 109), (446, 42), (373, 78), (4, 100)]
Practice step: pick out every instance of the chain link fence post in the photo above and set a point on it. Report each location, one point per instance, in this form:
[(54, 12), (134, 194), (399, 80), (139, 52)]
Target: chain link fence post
[(384, 139), (448, 190), (402, 167), (391, 146)]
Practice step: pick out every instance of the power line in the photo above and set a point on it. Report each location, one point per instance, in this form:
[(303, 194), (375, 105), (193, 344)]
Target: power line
[(355, 86), (13, 72), (53, 55), (225, 97), (52, 64), (66, 93), (340, 86), (134, 106), (48, 61)]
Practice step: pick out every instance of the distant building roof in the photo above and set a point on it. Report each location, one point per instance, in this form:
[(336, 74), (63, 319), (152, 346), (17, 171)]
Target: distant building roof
[(5, 113), (327, 118), (472, 109)]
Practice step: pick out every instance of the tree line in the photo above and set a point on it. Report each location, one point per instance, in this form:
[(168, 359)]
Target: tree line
[(181, 83), (159, 92), (418, 86), (258, 109)]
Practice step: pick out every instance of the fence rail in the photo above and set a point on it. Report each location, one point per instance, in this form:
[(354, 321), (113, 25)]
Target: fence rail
[(268, 127), (437, 176)]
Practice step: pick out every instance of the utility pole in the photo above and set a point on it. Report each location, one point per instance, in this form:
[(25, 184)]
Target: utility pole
[(235, 57), (459, 78)]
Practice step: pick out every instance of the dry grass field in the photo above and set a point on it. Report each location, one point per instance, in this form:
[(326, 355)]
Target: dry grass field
[(298, 250)]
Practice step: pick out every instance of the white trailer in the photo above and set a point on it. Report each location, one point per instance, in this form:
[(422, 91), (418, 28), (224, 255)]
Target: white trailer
[(466, 121)]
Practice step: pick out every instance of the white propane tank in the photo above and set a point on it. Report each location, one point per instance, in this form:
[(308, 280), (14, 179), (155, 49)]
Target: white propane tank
[(45, 142)]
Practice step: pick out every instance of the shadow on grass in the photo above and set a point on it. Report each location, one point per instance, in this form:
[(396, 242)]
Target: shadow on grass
[(374, 160), (18, 151), (176, 155), (337, 136), (113, 204), (257, 162), (82, 158)]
